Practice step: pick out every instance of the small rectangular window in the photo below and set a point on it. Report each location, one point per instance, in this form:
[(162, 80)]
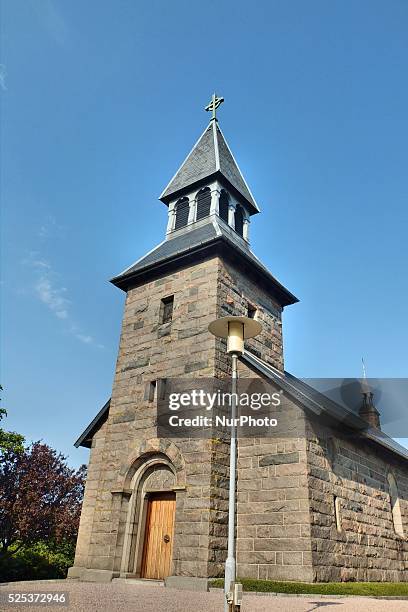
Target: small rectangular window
[(166, 309), (151, 391), (161, 389), (251, 311)]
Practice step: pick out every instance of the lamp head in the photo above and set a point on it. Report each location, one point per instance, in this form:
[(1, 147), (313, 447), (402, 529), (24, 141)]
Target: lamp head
[(236, 330)]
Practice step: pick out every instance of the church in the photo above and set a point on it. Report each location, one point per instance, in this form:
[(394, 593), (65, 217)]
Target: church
[(328, 505)]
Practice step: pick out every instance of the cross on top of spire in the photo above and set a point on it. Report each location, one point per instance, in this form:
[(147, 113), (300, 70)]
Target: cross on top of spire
[(213, 105), (210, 159)]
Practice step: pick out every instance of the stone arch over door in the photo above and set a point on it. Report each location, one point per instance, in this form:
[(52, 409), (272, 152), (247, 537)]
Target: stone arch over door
[(155, 466), (142, 451)]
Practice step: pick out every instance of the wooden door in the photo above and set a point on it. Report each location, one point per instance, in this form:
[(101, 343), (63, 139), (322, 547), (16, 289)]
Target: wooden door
[(158, 541)]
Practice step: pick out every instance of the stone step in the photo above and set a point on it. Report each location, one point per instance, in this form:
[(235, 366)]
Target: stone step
[(140, 581)]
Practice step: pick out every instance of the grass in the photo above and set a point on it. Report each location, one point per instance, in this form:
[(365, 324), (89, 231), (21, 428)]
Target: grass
[(373, 589)]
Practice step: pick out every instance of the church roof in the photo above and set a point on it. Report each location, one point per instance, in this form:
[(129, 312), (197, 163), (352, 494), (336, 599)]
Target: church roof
[(85, 439), (321, 405), (210, 156), (208, 233)]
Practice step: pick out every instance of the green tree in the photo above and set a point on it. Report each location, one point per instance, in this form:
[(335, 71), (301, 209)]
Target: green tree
[(40, 498), (9, 440), (40, 505)]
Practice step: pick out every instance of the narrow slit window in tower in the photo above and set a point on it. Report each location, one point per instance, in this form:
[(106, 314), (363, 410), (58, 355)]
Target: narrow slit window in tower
[(166, 309)]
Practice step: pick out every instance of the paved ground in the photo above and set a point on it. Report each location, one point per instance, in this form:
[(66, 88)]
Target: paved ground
[(122, 597)]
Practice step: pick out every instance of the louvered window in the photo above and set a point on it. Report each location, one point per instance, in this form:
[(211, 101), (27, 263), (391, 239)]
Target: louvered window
[(182, 209), (203, 203), (239, 220), (224, 200)]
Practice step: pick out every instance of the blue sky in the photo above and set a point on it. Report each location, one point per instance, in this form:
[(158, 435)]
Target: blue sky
[(102, 100)]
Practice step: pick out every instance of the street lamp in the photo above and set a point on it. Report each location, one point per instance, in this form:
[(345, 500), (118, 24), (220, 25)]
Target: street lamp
[(236, 330)]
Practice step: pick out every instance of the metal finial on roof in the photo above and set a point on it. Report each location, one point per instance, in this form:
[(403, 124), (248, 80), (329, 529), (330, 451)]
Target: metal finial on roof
[(364, 383), (364, 368), (213, 105)]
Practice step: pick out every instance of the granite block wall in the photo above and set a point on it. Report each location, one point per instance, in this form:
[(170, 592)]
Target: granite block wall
[(352, 528)]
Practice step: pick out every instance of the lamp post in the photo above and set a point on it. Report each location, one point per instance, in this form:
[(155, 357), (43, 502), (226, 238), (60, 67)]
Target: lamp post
[(236, 330)]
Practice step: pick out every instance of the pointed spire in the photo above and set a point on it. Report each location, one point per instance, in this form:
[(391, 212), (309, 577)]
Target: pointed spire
[(210, 158)]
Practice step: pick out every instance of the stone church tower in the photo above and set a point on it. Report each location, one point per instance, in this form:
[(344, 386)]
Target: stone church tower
[(322, 506)]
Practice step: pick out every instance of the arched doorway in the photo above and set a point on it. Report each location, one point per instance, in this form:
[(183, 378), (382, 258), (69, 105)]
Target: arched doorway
[(149, 532)]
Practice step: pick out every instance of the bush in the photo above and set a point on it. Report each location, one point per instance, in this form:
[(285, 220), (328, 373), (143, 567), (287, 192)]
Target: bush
[(39, 561)]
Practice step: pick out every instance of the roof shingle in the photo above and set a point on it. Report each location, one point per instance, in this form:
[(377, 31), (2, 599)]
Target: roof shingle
[(189, 241), (210, 156)]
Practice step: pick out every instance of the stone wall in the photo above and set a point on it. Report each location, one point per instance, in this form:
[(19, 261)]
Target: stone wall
[(366, 547), (273, 519), (149, 351), (235, 291), (95, 470)]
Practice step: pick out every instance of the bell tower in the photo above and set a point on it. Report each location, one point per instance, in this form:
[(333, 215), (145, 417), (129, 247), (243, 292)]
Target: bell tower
[(209, 183), (203, 269)]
